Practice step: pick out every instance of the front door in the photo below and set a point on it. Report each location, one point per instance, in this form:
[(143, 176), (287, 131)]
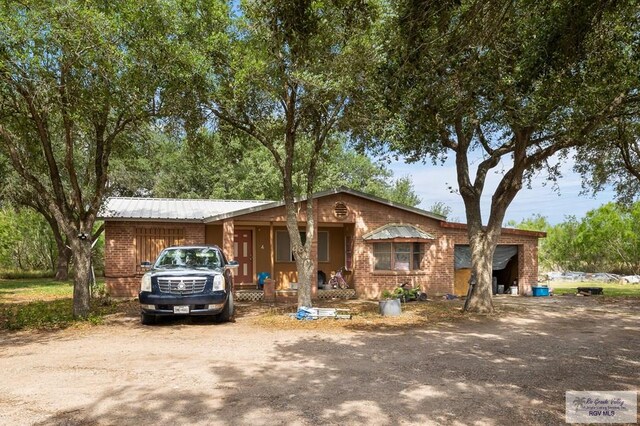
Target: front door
[(243, 253)]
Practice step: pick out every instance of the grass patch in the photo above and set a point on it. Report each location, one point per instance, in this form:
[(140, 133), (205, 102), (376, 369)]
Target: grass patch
[(608, 289), (32, 289), (40, 303)]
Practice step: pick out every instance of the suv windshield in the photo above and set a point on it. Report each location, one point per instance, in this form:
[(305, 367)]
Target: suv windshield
[(196, 257)]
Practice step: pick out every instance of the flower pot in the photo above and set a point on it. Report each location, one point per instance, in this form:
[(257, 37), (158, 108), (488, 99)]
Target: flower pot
[(390, 307)]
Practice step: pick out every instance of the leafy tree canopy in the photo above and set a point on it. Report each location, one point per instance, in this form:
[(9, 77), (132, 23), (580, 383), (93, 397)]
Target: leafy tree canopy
[(77, 80), (613, 158), (288, 77), (219, 165), (607, 239), (503, 86)]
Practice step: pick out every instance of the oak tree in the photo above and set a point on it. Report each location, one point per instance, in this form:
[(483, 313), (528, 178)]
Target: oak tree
[(504, 87), (289, 76), (76, 79)]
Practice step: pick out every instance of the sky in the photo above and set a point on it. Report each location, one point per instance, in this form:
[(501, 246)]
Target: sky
[(431, 183)]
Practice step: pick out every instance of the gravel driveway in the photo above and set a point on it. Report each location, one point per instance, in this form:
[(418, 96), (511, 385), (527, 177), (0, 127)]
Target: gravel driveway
[(483, 371)]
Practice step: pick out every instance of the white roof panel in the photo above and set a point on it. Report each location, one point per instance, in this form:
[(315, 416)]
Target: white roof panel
[(171, 208)]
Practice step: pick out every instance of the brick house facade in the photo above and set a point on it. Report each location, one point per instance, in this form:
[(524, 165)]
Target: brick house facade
[(348, 234)]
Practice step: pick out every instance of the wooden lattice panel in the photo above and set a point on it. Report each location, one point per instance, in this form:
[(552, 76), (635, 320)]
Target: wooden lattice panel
[(338, 293)]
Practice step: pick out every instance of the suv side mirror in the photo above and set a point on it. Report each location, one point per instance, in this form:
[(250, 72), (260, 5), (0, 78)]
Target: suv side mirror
[(145, 265), (232, 264)]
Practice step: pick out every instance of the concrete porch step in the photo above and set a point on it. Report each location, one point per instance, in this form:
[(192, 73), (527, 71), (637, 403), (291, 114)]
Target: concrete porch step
[(245, 286)]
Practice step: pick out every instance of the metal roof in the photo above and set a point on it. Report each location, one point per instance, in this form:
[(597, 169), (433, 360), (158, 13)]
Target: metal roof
[(397, 230), (125, 208), (130, 208)]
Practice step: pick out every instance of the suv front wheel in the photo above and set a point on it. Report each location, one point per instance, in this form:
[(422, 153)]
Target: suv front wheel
[(227, 311), (147, 319)]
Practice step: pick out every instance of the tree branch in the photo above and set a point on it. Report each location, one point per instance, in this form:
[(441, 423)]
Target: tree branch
[(45, 142), (68, 136), (250, 129)]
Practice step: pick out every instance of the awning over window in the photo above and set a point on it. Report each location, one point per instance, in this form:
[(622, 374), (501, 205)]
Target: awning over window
[(501, 257), (394, 231)]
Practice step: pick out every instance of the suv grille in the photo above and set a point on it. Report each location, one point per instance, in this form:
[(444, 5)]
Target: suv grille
[(182, 285)]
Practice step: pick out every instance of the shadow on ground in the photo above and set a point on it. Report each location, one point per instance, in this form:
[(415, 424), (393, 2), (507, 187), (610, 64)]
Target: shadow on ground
[(512, 370)]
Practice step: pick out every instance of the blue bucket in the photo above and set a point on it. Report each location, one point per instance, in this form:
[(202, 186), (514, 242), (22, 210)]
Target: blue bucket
[(540, 291), (261, 277)]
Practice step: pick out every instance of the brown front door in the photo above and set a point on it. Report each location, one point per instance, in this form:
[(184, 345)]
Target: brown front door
[(243, 253)]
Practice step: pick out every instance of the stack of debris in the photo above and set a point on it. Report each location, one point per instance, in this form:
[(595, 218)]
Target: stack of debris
[(305, 313)]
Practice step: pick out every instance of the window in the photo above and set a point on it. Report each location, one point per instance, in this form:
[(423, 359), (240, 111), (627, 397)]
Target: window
[(382, 254), (401, 256), (283, 246), (323, 246), (199, 258), (418, 254), (397, 256)]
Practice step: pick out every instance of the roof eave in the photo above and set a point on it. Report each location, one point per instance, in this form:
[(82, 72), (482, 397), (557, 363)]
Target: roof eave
[(378, 200), (512, 231), (398, 239), (242, 212), (149, 219), (325, 193)]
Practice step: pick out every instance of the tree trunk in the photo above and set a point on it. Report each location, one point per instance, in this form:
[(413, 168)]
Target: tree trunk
[(481, 296), (81, 296), (305, 273), (301, 252), (62, 261)]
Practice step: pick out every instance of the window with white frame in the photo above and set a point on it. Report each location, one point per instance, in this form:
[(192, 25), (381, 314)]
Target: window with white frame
[(394, 256), (283, 246)]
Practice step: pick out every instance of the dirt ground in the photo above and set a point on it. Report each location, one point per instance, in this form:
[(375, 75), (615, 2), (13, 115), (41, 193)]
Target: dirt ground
[(505, 370)]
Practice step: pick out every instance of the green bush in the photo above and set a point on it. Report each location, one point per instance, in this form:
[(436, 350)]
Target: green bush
[(26, 240), (13, 274), (388, 295)]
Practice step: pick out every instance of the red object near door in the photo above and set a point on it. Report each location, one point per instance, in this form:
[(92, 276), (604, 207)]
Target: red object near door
[(243, 253)]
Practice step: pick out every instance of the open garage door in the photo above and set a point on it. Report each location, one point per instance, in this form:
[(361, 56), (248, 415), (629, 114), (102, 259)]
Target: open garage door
[(505, 268)]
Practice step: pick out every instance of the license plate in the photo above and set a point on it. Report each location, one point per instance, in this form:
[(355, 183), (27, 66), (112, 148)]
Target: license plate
[(180, 309)]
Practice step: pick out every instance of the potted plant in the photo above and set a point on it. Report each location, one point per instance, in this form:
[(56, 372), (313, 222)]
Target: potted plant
[(390, 304)]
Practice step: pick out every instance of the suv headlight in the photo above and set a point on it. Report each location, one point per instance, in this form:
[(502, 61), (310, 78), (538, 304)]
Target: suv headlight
[(145, 285), (218, 283)]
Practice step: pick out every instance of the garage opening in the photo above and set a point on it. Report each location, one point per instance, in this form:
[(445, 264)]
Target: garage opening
[(505, 269)]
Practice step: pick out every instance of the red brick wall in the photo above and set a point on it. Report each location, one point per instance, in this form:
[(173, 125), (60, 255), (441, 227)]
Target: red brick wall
[(121, 277), (436, 276)]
